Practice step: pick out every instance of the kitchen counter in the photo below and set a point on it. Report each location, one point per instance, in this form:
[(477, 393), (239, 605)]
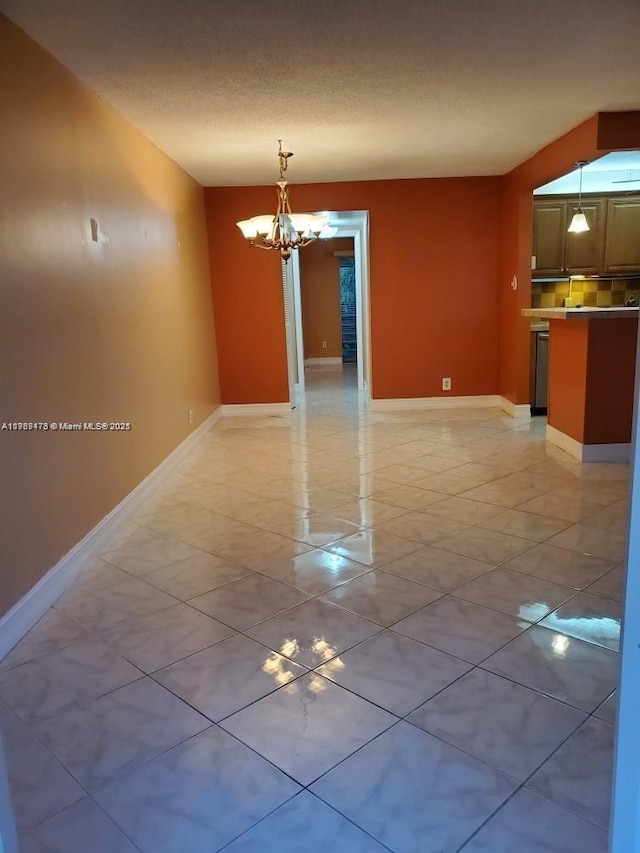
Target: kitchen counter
[(591, 379), (587, 313)]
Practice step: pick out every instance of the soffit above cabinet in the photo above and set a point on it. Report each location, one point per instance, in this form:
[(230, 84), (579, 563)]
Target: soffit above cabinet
[(614, 173)]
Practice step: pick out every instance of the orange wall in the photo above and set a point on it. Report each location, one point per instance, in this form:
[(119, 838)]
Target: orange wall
[(611, 381), (593, 138), (248, 301), (591, 379), (320, 285), (115, 332), (618, 130), (434, 292), (568, 358)]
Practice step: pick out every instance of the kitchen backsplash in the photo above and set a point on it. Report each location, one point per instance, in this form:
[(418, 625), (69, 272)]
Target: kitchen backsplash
[(600, 292)]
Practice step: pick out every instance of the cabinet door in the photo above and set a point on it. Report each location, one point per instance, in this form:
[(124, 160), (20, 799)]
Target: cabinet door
[(549, 233), (622, 252), (583, 252)]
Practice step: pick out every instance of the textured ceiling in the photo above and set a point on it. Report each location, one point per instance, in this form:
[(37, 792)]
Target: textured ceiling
[(358, 89)]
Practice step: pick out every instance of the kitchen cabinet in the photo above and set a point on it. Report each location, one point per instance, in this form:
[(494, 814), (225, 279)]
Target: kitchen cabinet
[(583, 253), (558, 252), (610, 247), (549, 235), (622, 250)]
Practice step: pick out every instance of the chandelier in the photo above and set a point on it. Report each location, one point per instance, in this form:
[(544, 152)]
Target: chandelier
[(285, 231)]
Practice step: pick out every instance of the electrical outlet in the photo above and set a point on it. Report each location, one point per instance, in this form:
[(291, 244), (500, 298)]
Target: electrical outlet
[(190, 416), (324, 344), (446, 383)]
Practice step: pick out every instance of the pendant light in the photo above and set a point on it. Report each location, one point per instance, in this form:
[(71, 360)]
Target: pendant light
[(579, 221), (284, 231)]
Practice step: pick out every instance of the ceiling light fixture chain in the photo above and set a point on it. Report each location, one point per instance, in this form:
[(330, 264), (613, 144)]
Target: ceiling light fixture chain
[(283, 156), (285, 231)]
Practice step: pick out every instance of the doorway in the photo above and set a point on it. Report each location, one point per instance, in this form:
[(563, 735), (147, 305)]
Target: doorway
[(349, 335), (351, 326)]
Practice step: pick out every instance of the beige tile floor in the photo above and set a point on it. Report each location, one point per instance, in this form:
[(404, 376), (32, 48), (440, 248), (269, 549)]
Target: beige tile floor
[(342, 630)]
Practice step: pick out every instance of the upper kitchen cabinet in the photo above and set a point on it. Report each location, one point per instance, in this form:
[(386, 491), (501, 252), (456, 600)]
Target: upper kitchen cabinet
[(622, 249), (549, 235), (611, 246), (584, 251)]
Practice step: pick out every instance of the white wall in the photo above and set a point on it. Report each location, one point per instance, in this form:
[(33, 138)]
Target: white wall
[(8, 840), (625, 833)]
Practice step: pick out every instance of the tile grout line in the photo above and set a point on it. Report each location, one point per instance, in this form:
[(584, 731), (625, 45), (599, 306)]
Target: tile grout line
[(318, 597)]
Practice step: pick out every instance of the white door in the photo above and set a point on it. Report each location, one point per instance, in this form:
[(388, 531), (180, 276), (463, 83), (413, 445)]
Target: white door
[(361, 253), (290, 330), (296, 319)]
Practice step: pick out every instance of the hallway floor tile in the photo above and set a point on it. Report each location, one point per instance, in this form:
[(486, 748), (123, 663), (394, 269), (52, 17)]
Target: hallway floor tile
[(344, 629)]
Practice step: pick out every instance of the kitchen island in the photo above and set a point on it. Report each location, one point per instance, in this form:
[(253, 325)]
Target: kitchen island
[(592, 366)]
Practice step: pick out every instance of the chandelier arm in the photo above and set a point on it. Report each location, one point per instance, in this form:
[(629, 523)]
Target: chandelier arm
[(283, 197)]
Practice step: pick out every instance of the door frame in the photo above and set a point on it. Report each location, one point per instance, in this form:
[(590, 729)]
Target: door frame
[(290, 331), (355, 224)]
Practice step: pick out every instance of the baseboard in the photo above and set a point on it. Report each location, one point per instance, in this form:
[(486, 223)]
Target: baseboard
[(522, 411), (322, 362), (564, 442), (606, 453), (31, 607), (488, 401), (588, 452), (233, 409), (493, 401)]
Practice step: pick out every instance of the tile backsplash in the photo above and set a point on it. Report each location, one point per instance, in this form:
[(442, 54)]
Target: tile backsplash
[(598, 292)]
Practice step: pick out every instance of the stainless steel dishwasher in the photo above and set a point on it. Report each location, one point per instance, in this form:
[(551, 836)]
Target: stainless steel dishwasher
[(539, 385)]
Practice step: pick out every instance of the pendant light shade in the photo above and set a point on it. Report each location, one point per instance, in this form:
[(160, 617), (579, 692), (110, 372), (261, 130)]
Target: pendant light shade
[(578, 223), (579, 220)]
